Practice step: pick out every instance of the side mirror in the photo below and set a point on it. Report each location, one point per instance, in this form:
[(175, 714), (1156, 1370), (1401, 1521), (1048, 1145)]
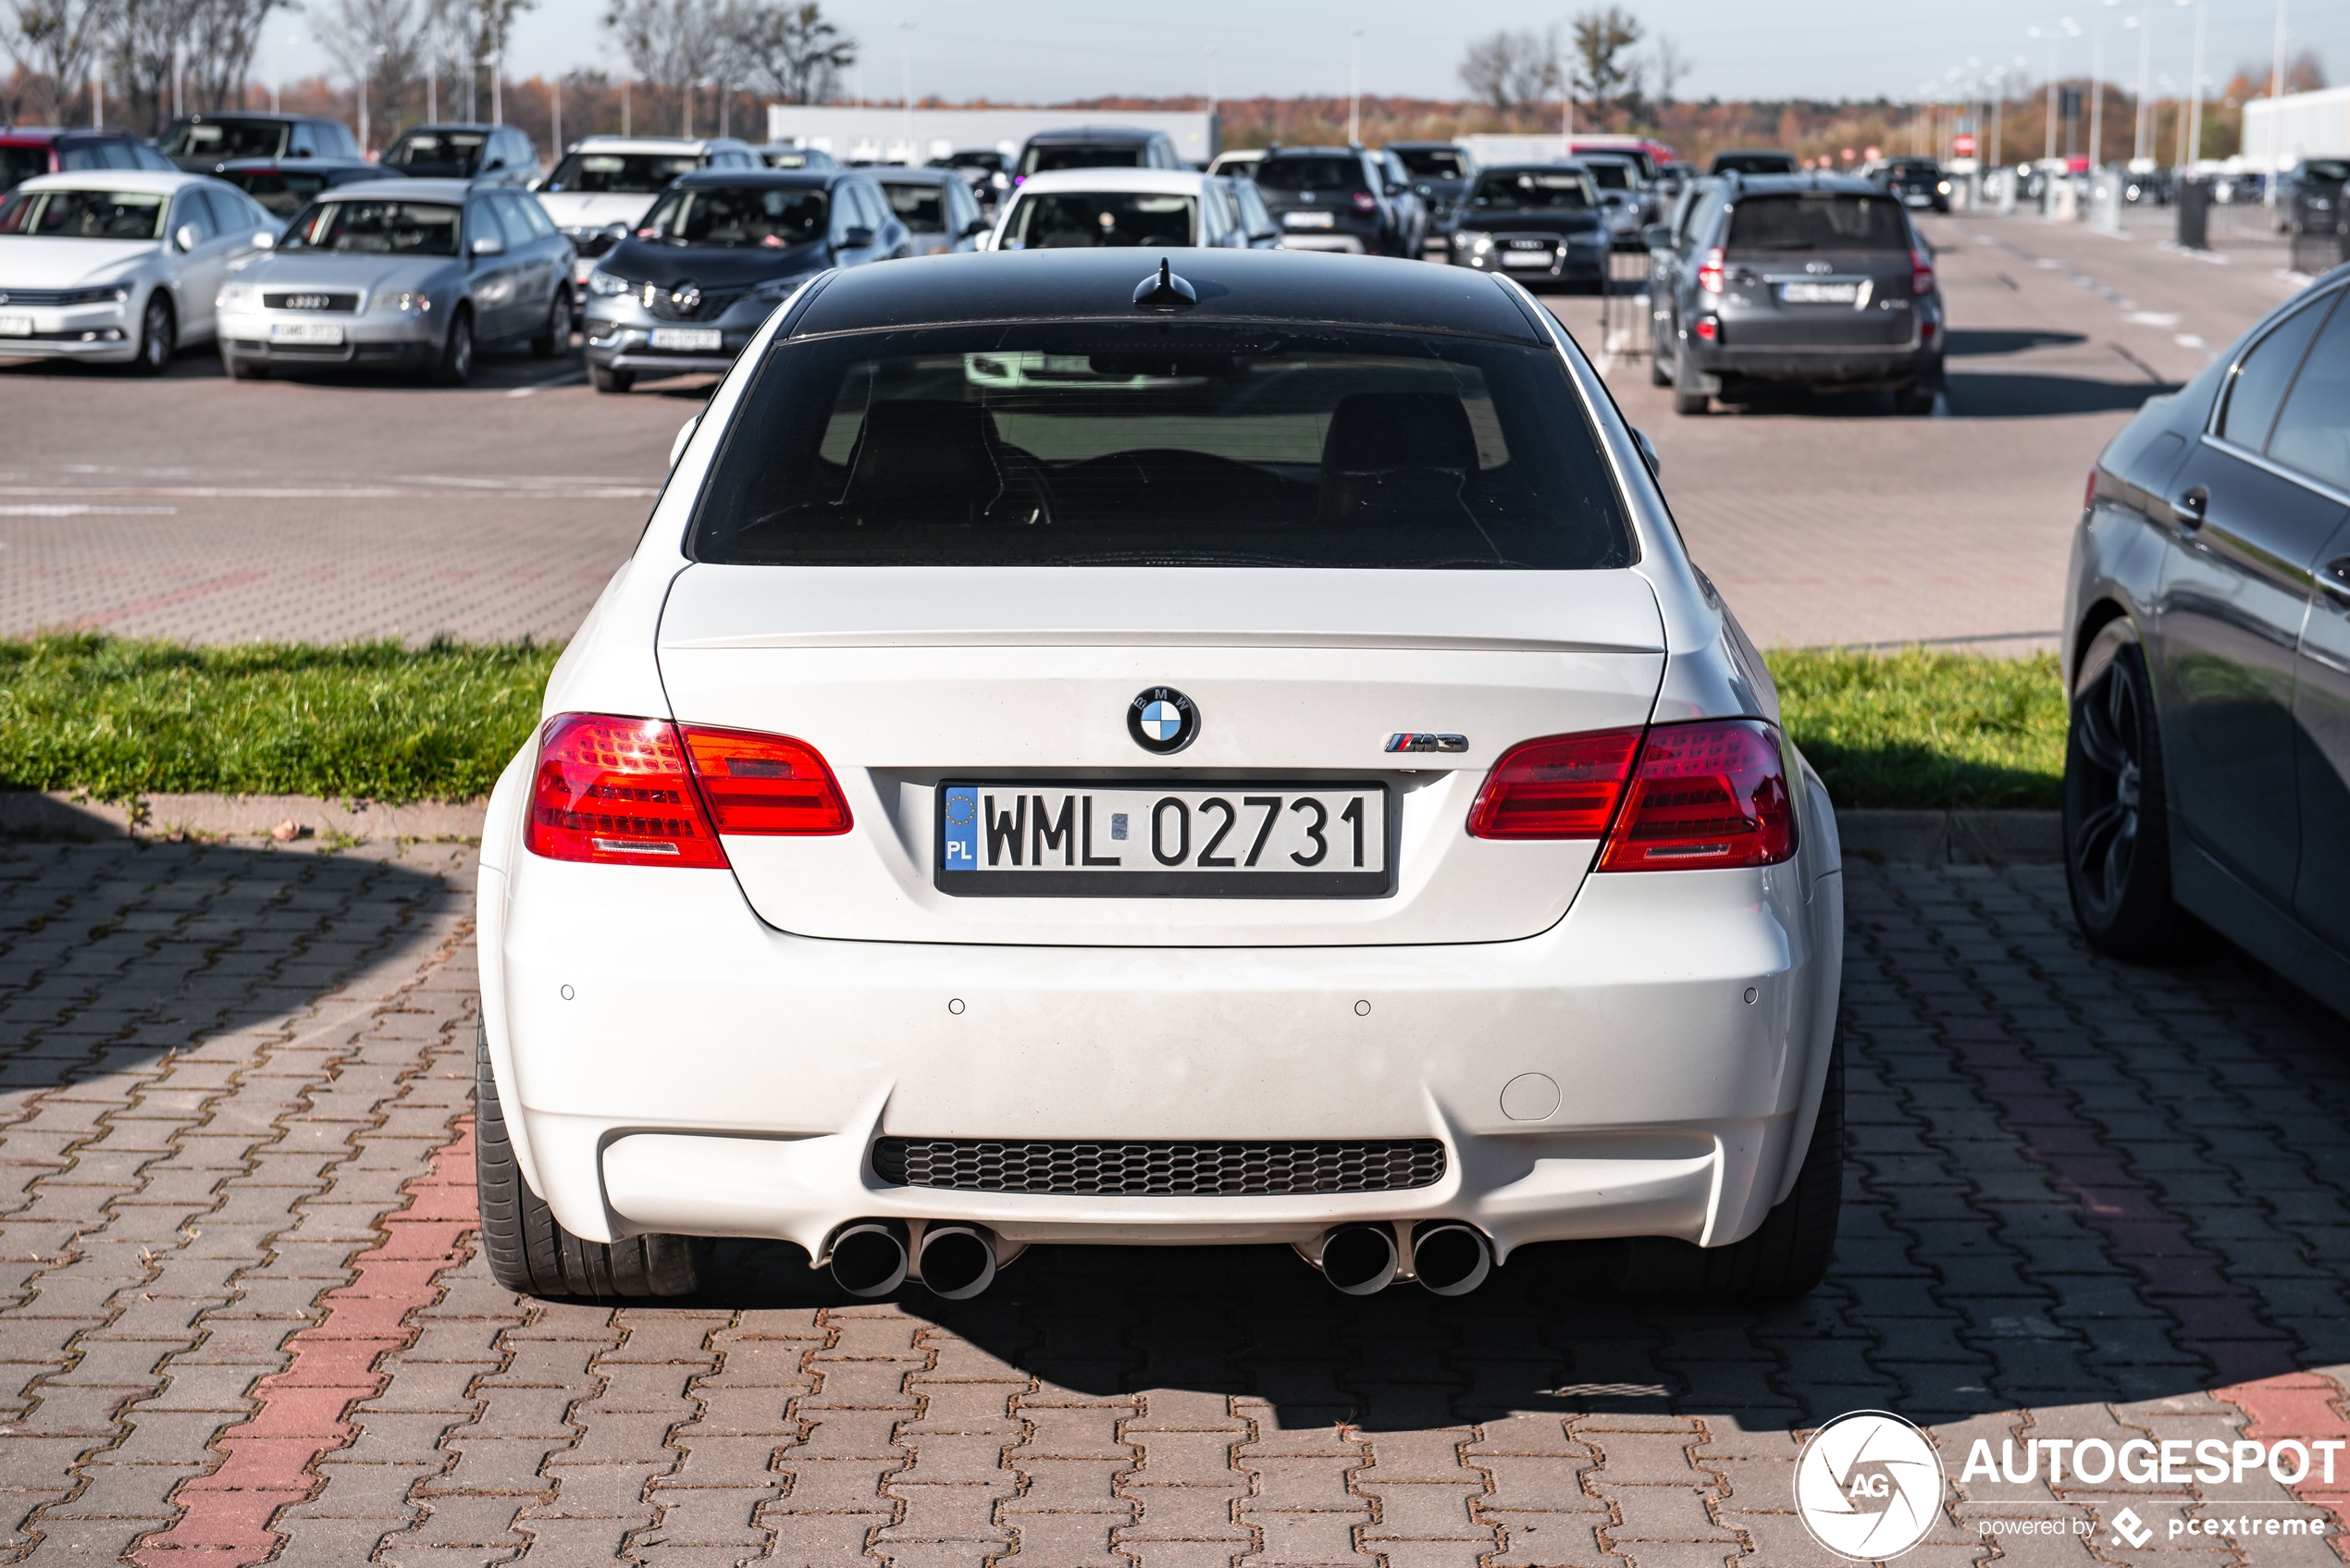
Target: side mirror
[(1394, 188), (1657, 236), (1648, 453), (540, 183), (489, 245), (856, 238), (684, 434), (187, 237), (264, 240), (976, 226)]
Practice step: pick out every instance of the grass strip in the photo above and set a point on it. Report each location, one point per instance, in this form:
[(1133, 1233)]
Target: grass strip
[(117, 718), (1921, 728), (379, 721)]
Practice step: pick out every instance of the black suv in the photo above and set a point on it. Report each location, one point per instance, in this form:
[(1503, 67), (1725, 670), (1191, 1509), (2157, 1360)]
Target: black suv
[(1815, 280), (1440, 172), (201, 144), (1335, 199)]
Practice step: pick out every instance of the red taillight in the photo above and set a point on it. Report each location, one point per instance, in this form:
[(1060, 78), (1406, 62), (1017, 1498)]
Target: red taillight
[(758, 784), (1706, 795), (636, 792), (1567, 787), (1921, 276), (1364, 201), (1700, 795), (618, 792), (1709, 271), (2089, 496), (1708, 328)]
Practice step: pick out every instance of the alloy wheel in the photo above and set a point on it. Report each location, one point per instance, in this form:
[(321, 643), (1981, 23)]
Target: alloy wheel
[(2111, 726), (155, 334)]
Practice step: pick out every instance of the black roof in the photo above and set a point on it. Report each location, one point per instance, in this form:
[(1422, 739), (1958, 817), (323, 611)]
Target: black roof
[(1257, 286), (1314, 152), (769, 178), (1112, 133), (484, 127), (1425, 147), (1784, 184)]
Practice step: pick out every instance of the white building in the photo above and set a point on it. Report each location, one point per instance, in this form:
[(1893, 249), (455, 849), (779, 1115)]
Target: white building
[(897, 135), (2280, 132)]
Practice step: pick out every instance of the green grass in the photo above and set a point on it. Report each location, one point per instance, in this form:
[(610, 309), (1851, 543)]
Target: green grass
[(1925, 729), (377, 720), (120, 718)]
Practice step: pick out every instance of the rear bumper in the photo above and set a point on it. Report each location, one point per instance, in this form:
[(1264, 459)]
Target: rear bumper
[(1853, 368), (711, 1075)]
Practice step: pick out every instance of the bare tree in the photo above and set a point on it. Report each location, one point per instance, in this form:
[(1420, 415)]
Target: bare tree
[(143, 48), (675, 44), (380, 44), (792, 51), (1603, 39), (1512, 70), (59, 40), (221, 37), (1671, 67)]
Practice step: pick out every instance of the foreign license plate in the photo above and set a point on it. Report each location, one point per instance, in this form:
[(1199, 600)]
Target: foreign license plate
[(1525, 258), (1819, 294), (686, 338), (1308, 220), (1037, 838), (16, 326), (304, 332)]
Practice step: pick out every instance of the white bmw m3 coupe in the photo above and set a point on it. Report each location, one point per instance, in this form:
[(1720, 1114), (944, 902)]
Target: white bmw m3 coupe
[(1086, 754)]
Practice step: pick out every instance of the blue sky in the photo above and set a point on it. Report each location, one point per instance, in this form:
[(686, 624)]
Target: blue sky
[(1043, 50)]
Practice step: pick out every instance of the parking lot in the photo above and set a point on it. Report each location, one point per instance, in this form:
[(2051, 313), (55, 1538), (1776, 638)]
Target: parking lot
[(2085, 1201)]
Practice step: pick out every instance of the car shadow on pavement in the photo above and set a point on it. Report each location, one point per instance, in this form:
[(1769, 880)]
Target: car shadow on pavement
[(114, 953), (1975, 395), (1967, 342)]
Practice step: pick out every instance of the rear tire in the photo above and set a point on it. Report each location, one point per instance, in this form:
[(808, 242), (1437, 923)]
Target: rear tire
[(530, 1253), (555, 337), (1690, 396), (608, 380), (2117, 824), (158, 335), (1785, 1257)]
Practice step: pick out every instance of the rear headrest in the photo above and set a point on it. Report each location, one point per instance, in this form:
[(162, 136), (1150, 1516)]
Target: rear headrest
[(1372, 431), (923, 460)]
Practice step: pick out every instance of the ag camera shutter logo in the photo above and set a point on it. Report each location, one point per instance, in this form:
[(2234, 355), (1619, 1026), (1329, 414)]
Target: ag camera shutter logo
[(1869, 1485)]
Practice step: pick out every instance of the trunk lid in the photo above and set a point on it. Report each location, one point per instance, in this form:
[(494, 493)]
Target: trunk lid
[(907, 679), (1822, 299)]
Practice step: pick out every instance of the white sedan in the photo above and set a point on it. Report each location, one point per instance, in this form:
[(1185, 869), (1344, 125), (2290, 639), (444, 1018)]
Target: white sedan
[(1183, 748), (1092, 208), (119, 267)]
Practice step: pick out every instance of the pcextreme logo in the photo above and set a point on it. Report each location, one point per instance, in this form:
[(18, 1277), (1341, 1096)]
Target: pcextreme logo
[(1869, 1485)]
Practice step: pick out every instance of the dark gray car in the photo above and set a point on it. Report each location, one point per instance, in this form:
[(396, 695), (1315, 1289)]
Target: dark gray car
[(1810, 281), (1538, 223), (2207, 656), (937, 206), (494, 154)]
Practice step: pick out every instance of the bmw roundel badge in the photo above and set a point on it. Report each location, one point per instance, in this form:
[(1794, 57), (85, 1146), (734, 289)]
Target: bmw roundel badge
[(1162, 719)]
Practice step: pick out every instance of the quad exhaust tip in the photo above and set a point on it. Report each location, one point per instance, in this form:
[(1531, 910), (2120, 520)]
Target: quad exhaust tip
[(1448, 1257), (871, 1257)]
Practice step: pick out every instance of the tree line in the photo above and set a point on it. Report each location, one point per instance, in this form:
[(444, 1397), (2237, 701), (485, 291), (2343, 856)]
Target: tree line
[(1597, 60)]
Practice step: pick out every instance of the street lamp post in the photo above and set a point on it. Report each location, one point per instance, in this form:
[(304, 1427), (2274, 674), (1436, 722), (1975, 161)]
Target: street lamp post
[(906, 81), (1355, 89), (2195, 91)]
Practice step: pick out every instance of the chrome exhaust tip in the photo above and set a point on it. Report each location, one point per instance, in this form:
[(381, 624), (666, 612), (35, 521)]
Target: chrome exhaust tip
[(1451, 1258), (1359, 1260), (869, 1257), (958, 1261)]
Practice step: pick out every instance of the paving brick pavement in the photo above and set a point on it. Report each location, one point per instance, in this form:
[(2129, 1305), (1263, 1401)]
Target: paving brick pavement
[(2085, 1201)]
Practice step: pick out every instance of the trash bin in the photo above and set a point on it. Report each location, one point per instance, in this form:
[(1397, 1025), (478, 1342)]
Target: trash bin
[(2194, 213), (2320, 241)]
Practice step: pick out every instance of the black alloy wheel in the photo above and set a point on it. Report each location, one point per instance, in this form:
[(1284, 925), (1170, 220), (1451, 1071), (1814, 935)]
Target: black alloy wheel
[(158, 336), (2117, 848)]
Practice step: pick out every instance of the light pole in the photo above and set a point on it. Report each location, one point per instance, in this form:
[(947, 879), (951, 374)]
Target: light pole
[(2276, 92), (1355, 89), (2194, 90), (2096, 93), (2142, 129), (906, 81), (496, 84), (1211, 84)]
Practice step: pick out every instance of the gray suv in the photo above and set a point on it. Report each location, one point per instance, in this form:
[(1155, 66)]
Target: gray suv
[(1812, 281)]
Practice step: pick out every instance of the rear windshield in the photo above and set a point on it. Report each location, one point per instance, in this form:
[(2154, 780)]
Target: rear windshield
[(19, 164), (438, 149), (1161, 444), (393, 228), (1754, 162), (1062, 220), (283, 193), (1044, 160), (737, 215), (83, 215), (1818, 221), (1433, 163), (621, 174), (1533, 188), (921, 208), (1611, 176), (225, 139), (2326, 169), (1312, 174)]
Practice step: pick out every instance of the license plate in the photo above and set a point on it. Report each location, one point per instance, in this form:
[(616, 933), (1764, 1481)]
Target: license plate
[(1308, 220), (1037, 838), (690, 337), (16, 326), (304, 332), (1525, 258), (1819, 294)]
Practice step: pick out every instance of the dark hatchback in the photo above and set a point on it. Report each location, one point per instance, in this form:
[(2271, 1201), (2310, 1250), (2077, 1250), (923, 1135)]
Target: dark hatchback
[(1538, 223), (719, 251), (287, 187), (201, 144), (1812, 281), (1333, 199), (1917, 183), (2208, 655), (496, 154)]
